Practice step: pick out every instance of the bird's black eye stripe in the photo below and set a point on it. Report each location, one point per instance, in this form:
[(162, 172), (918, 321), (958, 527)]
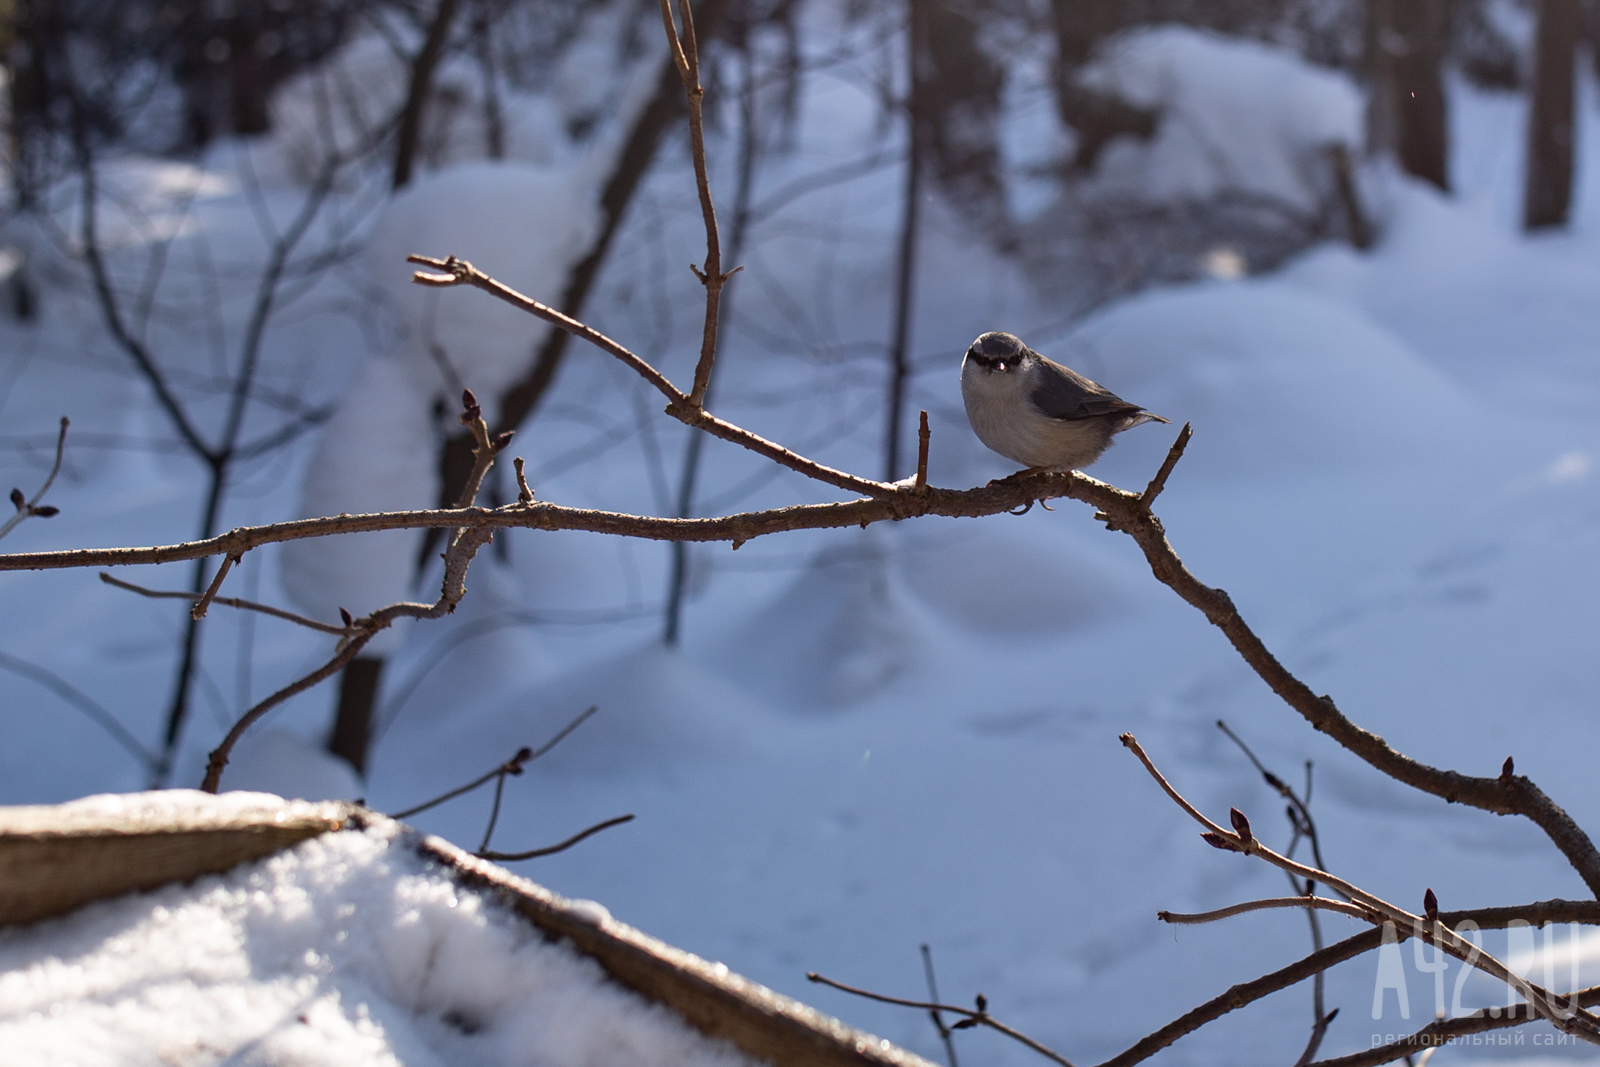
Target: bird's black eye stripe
[(989, 362)]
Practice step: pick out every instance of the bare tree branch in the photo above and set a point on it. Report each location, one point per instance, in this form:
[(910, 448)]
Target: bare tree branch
[(1320, 903), (513, 857), (1442, 1031), (514, 765), (685, 408), (1380, 911), (30, 507), (1236, 997), (231, 602), (970, 1017)]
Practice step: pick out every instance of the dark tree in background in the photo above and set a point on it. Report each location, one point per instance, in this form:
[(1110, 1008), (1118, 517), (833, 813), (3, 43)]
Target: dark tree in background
[(1551, 131), (1096, 117), (1406, 42)]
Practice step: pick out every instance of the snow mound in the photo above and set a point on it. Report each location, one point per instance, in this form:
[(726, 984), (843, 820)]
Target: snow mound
[(1234, 115), (999, 582), (1275, 380), (280, 762), (657, 711), (348, 949), (841, 631), (375, 454), (524, 225)]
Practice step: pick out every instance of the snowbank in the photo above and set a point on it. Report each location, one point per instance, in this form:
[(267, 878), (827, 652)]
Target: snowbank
[(349, 949), (1276, 379), (1234, 114)]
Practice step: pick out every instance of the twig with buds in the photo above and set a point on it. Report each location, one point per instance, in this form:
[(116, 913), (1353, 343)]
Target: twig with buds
[(29, 507), (1566, 1016)]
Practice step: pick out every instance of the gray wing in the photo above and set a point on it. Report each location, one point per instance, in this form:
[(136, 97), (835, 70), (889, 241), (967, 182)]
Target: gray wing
[(1062, 393)]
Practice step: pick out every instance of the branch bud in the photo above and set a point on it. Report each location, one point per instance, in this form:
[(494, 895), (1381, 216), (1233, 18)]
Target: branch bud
[(983, 1004), (470, 410), (1241, 825), (1217, 841), (349, 620), (45, 511), (1507, 770), (1430, 906), (18, 499), (501, 441)]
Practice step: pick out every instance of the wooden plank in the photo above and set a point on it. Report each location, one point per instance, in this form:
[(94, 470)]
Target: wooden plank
[(57, 858), (764, 1024)]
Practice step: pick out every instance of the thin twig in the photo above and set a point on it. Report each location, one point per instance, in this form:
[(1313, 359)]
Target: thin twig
[(680, 406), (514, 765), (1320, 903), (512, 857), (200, 606), (228, 601), (1236, 997), (686, 56), (522, 756), (971, 1017), (1301, 825), (30, 507), (220, 754), (927, 970), (1441, 1031), (1159, 482), (1429, 929), (561, 735), (524, 494), (923, 437), (494, 809), (464, 545)]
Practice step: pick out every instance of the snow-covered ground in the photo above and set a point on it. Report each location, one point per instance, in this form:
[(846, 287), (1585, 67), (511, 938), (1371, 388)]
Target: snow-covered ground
[(875, 739), (349, 948)]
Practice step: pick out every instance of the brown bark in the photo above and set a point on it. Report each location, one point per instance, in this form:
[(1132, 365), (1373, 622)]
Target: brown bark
[(352, 725), (1407, 117), (417, 92), (1547, 196)]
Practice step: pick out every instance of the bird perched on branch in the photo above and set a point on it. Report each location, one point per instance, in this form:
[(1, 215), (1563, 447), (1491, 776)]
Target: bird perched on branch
[(1037, 412)]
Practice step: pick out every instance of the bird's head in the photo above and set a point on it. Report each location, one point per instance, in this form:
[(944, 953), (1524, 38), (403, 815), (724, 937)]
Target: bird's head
[(999, 353)]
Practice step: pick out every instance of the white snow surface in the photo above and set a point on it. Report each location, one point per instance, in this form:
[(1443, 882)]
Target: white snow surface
[(349, 949), (1234, 114)]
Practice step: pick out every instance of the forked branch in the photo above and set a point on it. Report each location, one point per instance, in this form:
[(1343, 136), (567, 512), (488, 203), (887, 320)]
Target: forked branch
[(29, 507), (1565, 1015)]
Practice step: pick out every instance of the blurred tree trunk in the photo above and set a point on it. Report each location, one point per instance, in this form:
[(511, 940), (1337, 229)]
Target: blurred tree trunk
[(1096, 117), (420, 87), (906, 261), (352, 726), (249, 81), (1406, 111), (1548, 192)]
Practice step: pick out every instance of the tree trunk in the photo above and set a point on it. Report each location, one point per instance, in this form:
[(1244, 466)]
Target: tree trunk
[(906, 261), (1548, 192), (1096, 117), (352, 727), (1405, 45), (417, 92)]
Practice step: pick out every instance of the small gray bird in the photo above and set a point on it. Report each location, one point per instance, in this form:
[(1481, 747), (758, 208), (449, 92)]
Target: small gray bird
[(1037, 412)]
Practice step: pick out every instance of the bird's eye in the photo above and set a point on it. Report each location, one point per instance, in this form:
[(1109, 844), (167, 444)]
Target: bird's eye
[(1001, 365)]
